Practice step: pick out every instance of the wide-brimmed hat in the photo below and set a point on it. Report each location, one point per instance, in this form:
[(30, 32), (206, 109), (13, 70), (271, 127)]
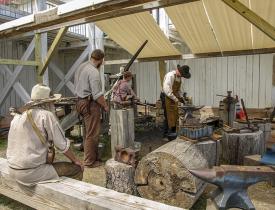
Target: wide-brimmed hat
[(184, 71), (42, 94)]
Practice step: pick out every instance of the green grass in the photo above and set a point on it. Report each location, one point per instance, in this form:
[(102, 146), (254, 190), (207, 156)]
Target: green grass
[(3, 144), (8, 203)]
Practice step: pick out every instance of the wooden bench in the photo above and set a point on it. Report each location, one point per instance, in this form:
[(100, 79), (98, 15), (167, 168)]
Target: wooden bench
[(72, 194)]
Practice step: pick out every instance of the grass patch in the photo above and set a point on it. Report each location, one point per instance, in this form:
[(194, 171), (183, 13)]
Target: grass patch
[(8, 203), (3, 144)]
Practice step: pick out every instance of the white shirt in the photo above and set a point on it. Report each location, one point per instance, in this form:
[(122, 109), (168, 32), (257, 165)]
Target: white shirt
[(168, 82), (26, 151)]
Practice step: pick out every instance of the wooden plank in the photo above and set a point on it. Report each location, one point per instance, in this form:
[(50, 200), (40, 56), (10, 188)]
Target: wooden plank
[(162, 71), (99, 11), (213, 66), (249, 81), (219, 86), (256, 81), (266, 68), (17, 22), (224, 71), (252, 17), (202, 83), (73, 68), (242, 76), (61, 76), (72, 194), (230, 74), (20, 90), (53, 49), (17, 71), (208, 88), (262, 81), (17, 62)]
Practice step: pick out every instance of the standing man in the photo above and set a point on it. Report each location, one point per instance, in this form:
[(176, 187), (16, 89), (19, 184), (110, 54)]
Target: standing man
[(88, 89), (172, 95)]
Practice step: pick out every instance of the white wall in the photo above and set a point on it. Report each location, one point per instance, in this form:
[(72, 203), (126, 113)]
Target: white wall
[(249, 77)]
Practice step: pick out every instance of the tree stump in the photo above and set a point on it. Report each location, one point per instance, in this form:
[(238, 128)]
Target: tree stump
[(120, 177), (122, 128), (163, 174), (265, 127), (235, 146)]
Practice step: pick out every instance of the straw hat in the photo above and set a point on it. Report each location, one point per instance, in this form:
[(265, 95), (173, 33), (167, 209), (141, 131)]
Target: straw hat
[(42, 94)]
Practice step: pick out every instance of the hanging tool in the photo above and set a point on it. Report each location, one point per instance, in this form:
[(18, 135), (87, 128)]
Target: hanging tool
[(245, 113), (127, 68)]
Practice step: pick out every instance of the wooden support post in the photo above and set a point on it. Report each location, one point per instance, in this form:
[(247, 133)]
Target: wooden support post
[(252, 17), (162, 71), (122, 128), (53, 49), (38, 56)]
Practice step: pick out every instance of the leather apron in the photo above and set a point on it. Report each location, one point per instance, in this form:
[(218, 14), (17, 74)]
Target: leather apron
[(172, 106)]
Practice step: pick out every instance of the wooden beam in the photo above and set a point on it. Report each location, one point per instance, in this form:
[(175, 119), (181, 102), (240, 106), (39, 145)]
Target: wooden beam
[(72, 194), (53, 49), (252, 17), (50, 19), (17, 62)]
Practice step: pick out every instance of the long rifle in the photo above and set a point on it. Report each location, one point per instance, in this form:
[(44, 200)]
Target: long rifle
[(127, 67)]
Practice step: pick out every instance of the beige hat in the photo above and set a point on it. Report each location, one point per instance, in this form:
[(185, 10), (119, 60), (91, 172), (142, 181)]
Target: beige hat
[(42, 94)]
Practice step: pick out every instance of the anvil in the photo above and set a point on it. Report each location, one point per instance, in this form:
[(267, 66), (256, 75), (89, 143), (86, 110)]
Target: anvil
[(232, 182)]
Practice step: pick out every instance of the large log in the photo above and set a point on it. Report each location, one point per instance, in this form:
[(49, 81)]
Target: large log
[(163, 174), (120, 177), (72, 194), (122, 128), (235, 146)]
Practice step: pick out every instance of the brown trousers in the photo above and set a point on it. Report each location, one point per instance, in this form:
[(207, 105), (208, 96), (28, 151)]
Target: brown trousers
[(90, 111), (68, 170)]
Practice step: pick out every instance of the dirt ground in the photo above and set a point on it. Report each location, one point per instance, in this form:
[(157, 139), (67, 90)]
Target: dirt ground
[(262, 194)]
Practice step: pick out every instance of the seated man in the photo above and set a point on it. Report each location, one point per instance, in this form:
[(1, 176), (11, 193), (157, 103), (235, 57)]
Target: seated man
[(123, 95), (33, 134)]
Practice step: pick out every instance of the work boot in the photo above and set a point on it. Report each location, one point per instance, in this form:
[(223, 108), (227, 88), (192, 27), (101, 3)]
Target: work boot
[(171, 135), (95, 164)]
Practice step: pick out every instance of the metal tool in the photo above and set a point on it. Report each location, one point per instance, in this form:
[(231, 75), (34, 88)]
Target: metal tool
[(188, 111), (232, 182), (227, 113), (127, 67), (126, 155), (245, 113)]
